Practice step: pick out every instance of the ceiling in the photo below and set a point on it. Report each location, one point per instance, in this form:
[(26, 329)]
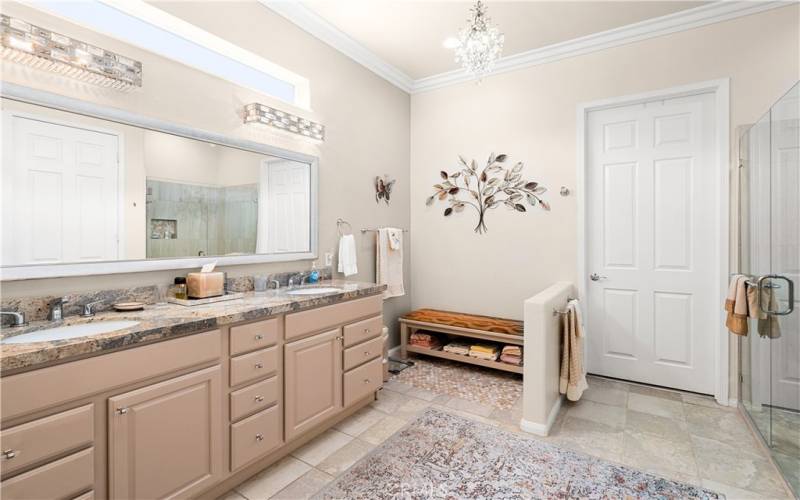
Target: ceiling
[(408, 34)]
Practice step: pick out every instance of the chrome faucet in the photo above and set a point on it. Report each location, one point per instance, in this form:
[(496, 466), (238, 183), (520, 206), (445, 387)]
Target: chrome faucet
[(88, 309), (276, 283), (19, 317), (298, 278), (57, 309)]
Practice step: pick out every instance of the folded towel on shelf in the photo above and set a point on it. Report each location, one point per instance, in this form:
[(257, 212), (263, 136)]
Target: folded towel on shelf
[(347, 255), (512, 350), (484, 351), (511, 360), (511, 354), (425, 340), (484, 356), (457, 348)]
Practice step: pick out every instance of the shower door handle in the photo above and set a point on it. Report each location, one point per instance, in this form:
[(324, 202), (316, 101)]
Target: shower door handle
[(761, 286)]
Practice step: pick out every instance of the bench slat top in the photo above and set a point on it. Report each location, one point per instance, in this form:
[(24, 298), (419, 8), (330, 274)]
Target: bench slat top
[(471, 321)]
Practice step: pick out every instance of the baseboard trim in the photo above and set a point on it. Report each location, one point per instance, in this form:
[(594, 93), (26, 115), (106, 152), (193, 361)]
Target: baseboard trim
[(542, 429)]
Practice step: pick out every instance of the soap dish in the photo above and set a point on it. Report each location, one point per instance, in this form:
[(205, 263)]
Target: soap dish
[(129, 306)]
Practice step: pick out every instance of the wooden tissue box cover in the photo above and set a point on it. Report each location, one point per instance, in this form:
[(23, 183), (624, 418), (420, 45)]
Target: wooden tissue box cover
[(204, 285)]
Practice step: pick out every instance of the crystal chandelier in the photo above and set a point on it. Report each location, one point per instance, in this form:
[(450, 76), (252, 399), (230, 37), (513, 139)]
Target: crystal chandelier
[(479, 44)]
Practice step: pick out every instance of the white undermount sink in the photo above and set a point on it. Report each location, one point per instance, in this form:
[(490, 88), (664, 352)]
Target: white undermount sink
[(314, 290), (69, 332)]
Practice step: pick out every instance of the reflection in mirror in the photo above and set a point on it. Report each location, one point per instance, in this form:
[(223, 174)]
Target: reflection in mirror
[(82, 189)]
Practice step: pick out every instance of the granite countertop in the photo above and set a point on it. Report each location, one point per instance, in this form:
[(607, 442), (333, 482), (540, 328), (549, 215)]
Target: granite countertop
[(163, 321)]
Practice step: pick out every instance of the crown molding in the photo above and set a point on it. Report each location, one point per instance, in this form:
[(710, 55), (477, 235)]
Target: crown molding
[(651, 28), (320, 28), (715, 12)]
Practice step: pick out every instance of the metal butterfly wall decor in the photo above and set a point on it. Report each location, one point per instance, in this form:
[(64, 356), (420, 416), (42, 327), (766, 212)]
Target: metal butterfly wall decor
[(383, 188)]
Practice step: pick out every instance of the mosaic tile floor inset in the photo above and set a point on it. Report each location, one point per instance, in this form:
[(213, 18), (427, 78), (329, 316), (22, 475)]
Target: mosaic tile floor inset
[(474, 383)]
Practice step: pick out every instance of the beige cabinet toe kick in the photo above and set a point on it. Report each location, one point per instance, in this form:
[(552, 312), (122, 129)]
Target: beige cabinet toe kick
[(191, 416)]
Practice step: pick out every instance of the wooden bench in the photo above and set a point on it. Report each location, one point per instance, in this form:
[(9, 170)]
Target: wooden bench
[(504, 331)]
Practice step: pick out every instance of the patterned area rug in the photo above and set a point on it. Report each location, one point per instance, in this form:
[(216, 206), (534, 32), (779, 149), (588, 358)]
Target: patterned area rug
[(440, 455), (475, 383)]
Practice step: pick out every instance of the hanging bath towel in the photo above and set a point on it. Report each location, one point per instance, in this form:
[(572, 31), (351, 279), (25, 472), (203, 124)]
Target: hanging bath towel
[(389, 261), (347, 255), (573, 376)]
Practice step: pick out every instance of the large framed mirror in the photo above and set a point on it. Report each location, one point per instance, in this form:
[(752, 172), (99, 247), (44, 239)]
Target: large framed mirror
[(96, 190)]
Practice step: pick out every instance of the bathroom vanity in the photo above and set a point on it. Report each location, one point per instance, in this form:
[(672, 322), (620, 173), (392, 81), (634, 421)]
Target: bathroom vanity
[(188, 402)]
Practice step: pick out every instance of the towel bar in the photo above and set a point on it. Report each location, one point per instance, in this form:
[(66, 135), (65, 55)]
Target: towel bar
[(365, 229), (558, 312)]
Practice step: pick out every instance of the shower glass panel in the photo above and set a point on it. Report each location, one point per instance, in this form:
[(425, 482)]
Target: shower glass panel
[(770, 249)]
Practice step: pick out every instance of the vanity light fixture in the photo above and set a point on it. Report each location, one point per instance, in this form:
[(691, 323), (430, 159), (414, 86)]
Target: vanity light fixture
[(41, 48), (260, 113)]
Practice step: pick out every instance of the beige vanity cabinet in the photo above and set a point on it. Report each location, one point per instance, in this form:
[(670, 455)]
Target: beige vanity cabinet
[(313, 375), (165, 439)]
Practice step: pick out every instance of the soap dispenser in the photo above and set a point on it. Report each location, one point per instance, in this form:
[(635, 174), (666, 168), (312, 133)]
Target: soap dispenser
[(314, 276)]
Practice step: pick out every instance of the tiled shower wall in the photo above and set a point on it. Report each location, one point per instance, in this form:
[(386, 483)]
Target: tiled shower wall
[(208, 219)]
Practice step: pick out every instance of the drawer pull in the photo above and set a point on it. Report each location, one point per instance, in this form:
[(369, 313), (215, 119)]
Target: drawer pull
[(366, 381), (259, 399), (259, 337), (122, 411), (9, 454), (366, 330), (366, 353), (259, 437), (339, 338), (259, 366)]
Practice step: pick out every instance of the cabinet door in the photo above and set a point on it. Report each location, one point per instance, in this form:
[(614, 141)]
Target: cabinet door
[(165, 440), (313, 375)]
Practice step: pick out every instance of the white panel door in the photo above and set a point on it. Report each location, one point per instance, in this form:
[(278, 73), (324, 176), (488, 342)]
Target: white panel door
[(60, 198), (652, 241), (289, 191)]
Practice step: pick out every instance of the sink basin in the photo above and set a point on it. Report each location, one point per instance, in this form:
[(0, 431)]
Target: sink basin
[(69, 332), (314, 291)]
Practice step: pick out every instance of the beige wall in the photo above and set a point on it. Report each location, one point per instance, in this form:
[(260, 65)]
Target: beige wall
[(366, 119), (530, 115)]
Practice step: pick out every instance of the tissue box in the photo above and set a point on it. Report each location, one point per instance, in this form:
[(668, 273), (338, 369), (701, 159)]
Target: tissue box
[(204, 285)]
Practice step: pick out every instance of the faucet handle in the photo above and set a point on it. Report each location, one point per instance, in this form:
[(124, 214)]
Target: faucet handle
[(88, 309)]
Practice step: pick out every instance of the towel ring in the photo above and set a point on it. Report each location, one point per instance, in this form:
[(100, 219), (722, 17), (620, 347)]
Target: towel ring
[(341, 222)]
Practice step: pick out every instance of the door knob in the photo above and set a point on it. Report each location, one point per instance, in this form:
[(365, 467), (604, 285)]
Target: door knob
[(597, 277)]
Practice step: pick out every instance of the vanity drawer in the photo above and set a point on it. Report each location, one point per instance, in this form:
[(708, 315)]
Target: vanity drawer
[(254, 365), (46, 437), (324, 318), (64, 478), (89, 495), (253, 336), (354, 356), (255, 436), (362, 381), (253, 398), (363, 330)]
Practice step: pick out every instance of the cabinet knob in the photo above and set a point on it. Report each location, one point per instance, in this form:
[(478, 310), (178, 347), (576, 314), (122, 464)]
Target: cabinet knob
[(259, 437), (259, 337), (9, 454), (366, 353), (122, 411), (259, 399), (259, 366), (366, 381), (366, 330), (339, 338)]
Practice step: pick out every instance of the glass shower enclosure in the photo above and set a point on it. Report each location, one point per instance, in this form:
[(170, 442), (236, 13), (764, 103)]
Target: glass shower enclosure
[(770, 254)]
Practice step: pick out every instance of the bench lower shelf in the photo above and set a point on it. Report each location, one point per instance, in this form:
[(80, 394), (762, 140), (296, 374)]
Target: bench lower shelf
[(497, 365)]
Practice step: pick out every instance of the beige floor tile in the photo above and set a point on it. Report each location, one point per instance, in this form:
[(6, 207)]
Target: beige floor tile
[(470, 407), (411, 409), (389, 401), (231, 495), (720, 424), (655, 406), (305, 487), (397, 386), (659, 454), (700, 400), (613, 416), (729, 464), (590, 437), (360, 421), (607, 395), (319, 448), (347, 455), (665, 428), (382, 429), (273, 479), (734, 493), (507, 417), (608, 383), (655, 392), (425, 394)]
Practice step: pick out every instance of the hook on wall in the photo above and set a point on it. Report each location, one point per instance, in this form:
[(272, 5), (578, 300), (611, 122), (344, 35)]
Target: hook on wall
[(564, 191)]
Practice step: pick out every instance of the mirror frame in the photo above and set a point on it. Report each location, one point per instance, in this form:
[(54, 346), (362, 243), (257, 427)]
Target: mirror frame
[(55, 101)]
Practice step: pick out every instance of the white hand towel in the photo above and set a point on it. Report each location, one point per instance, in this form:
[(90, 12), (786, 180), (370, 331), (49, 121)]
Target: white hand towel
[(389, 262), (395, 238), (347, 255)]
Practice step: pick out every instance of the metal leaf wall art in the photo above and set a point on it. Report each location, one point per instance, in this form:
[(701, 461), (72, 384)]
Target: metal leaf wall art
[(487, 189)]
